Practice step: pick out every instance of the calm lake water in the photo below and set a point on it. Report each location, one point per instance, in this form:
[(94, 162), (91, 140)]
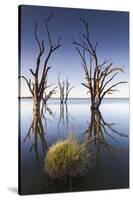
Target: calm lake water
[(108, 132)]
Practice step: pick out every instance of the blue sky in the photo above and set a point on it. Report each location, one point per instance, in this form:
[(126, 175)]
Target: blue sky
[(109, 28)]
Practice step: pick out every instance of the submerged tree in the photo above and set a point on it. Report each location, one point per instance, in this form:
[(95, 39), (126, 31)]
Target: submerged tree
[(64, 88), (98, 76), (67, 89), (37, 87)]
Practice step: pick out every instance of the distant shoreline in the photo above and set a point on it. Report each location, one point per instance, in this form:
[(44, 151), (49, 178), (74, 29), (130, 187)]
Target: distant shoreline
[(78, 98)]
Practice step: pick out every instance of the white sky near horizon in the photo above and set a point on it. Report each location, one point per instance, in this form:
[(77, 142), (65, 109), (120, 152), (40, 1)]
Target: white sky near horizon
[(80, 91)]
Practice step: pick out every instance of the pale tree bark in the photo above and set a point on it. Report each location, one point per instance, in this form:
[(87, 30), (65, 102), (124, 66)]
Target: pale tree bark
[(98, 77), (62, 90), (37, 87), (65, 89), (68, 89)]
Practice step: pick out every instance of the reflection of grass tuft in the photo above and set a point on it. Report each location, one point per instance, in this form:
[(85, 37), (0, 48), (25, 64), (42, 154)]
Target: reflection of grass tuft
[(66, 158)]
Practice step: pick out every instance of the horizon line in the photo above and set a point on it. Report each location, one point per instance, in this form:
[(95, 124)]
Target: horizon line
[(30, 97)]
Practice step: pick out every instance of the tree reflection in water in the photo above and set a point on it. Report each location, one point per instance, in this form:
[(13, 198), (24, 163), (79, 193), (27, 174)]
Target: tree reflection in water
[(64, 119), (38, 128), (98, 135)]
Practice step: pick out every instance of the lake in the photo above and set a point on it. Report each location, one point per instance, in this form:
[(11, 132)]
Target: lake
[(106, 135)]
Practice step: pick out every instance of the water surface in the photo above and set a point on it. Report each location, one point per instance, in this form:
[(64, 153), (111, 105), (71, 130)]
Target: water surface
[(108, 132)]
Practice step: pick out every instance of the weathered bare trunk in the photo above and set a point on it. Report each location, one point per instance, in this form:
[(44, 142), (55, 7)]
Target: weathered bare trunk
[(38, 86), (65, 88), (95, 105), (98, 77), (66, 99), (36, 105)]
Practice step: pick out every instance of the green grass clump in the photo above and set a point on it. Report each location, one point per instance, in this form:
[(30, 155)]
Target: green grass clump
[(65, 158)]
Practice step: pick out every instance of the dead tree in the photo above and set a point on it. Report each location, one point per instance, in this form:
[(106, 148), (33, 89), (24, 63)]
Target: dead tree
[(65, 88), (62, 90), (68, 88), (98, 77), (37, 87)]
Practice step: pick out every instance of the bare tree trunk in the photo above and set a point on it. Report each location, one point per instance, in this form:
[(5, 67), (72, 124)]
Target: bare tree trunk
[(68, 88), (61, 88), (97, 76), (37, 87), (65, 88), (36, 104)]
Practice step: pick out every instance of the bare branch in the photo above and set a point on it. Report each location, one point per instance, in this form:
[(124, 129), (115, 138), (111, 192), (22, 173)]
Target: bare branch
[(53, 91), (47, 28), (103, 74), (85, 85), (101, 89), (32, 72), (95, 48), (82, 45), (51, 50), (70, 89), (38, 42), (41, 51), (104, 63), (105, 92), (28, 83), (57, 45)]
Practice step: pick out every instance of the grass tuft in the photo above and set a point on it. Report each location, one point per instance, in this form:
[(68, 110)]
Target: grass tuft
[(66, 158)]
